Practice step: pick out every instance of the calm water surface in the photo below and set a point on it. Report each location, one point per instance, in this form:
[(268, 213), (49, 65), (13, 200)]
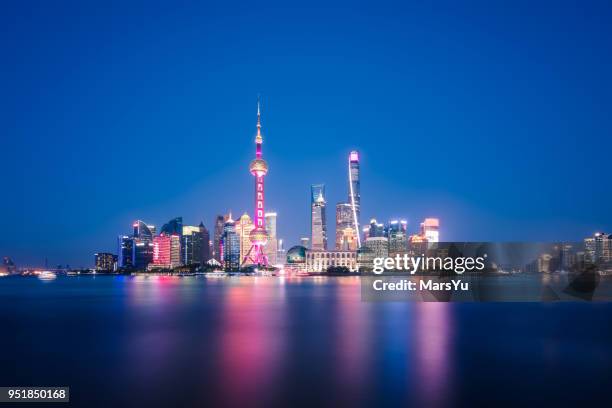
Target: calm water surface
[(169, 341)]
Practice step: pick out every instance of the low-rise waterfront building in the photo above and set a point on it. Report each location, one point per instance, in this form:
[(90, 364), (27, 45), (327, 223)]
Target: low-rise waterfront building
[(320, 261)]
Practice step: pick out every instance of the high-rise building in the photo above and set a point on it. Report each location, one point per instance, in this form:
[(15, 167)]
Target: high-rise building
[(194, 244), (365, 232), (417, 245), (398, 238), (161, 250), (105, 262), (206, 247), (346, 236), (125, 249), (272, 246), (167, 251), (348, 240), (8, 266), (305, 242), (374, 229), (546, 263), (142, 254), (566, 256), (142, 245), (598, 248), (173, 227), (318, 224), (230, 246), (259, 236), (142, 230), (430, 229), (244, 226), (281, 253), (219, 222), (354, 192)]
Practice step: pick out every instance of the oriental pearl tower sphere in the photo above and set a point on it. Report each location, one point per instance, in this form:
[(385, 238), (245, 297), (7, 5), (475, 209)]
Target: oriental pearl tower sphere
[(259, 235)]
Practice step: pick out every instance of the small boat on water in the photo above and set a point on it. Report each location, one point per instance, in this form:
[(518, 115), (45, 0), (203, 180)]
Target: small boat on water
[(47, 275)]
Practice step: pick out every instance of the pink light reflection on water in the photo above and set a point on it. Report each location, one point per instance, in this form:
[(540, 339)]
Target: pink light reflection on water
[(353, 341), (434, 332), (253, 340)]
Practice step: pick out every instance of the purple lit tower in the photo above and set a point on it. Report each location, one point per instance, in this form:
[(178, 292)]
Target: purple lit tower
[(258, 236)]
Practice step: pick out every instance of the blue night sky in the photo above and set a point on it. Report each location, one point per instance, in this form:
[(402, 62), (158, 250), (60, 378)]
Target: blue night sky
[(494, 117)]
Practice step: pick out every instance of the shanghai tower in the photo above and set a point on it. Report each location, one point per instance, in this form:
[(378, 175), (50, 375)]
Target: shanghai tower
[(258, 236), (354, 194)]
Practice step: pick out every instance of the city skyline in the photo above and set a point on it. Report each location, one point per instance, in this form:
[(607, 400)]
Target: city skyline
[(493, 119)]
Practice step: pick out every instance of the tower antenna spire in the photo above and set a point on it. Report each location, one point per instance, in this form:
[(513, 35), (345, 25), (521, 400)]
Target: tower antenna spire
[(259, 138)]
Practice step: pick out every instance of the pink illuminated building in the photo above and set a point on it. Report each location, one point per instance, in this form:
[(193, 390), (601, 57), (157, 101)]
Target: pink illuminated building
[(430, 229), (166, 251), (258, 236)]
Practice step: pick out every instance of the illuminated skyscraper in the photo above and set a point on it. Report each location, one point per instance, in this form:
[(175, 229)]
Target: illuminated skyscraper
[(417, 245), (281, 253), (206, 248), (598, 248), (230, 246), (167, 251), (174, 226), (398, 237), (430, 229), (305, 242), (195, 245), (125, 247), (318, 223), (142, 254), (161, 250), (354, 192), (259, 236), (244, 226), (142, 230), (272, 246), (345, 232), (374, 229), (219, 221), (142, 245)]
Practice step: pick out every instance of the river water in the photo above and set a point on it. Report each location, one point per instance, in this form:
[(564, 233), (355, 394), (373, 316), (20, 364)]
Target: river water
[(251, 341)]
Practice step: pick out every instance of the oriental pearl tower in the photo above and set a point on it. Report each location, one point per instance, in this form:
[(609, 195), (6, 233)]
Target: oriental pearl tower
[(259, 235)]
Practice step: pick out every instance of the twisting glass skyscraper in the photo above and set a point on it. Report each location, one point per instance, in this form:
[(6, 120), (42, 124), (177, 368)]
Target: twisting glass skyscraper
[(354, 193)]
